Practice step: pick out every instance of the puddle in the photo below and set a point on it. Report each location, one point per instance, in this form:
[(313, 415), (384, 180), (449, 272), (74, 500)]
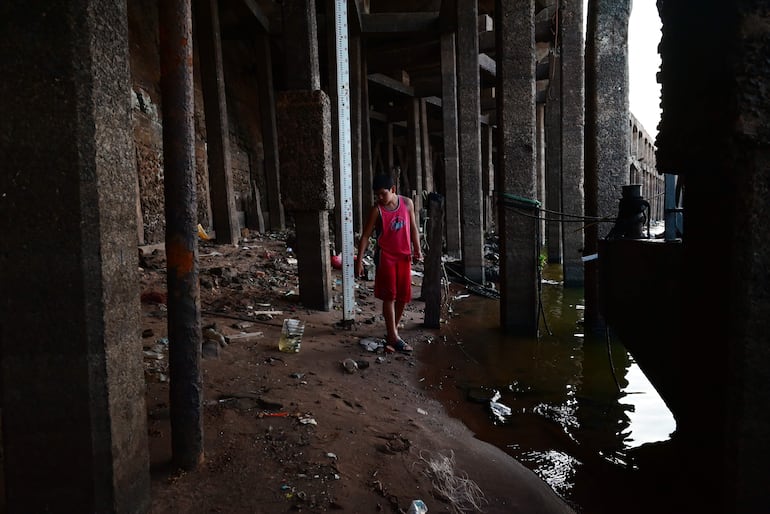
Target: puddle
[(554, 403)]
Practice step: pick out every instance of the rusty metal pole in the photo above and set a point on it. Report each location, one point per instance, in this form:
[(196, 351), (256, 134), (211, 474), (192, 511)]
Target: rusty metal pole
[(184, 333)]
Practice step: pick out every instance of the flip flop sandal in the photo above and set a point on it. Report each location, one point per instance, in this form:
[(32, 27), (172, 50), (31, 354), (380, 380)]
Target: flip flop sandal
[(402, 346)]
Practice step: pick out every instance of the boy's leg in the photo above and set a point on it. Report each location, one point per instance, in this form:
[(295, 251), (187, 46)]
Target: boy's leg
[(389, 313), (399, 311)]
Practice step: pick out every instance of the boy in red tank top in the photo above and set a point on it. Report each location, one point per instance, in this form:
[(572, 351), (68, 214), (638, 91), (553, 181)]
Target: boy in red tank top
[(398, 244)]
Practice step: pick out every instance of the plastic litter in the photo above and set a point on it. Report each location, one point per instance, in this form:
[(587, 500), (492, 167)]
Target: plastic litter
[(371, 345), (417, 507), (350, 365), (202, 233), (291, 335)]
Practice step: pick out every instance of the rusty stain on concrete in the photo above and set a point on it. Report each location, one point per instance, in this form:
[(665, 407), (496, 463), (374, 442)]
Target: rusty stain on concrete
[(179, 258)]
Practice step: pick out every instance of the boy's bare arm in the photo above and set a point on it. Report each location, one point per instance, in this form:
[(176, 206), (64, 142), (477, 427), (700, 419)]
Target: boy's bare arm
[(415, 233), (363, 244)]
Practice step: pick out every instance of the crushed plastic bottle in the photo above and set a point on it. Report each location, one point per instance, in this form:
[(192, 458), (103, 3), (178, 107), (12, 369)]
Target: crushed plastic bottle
[(291, 335), (350, 365), (417, 507)]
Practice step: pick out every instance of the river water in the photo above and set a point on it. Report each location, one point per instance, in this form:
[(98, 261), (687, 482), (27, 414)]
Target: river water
[(573, 407)]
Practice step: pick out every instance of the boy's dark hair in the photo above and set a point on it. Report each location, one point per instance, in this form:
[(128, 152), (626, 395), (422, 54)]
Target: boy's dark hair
[(382, 181)]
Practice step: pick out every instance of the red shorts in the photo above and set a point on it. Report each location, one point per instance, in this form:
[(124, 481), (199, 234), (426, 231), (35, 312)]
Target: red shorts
[(393, 280)]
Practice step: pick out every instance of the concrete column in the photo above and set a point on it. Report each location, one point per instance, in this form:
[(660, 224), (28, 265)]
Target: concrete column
[(300, 45), (356, 117), (305, 144), (331, 68), (427, 154), (367, 169), (414, 151), (267, 118), (184, 321), (540, 166), (305, 129), (74, 429), (607, 166), (516, 177), (553, 229), (209, 41), (451, 157), (572, 137), (487, 175), (468, 108)]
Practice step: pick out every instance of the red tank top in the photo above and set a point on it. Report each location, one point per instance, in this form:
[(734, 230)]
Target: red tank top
[(396, 229)]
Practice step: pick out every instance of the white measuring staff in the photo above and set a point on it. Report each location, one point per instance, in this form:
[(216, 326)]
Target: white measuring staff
[(346, 172)]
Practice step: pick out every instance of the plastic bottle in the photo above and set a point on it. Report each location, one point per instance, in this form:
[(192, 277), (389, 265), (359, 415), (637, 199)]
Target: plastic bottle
[(417, 507), (350, 365), (291, 335)]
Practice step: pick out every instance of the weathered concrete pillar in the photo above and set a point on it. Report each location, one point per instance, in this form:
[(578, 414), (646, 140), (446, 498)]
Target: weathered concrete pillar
[(726, 165), (74, 429), (267, 118), (367, 169), (607, 166), (224, 218), (487, 175), (304, 123), (540, 166), (572, 137), (432, 289), (469, 134), (553, 203), (184, 317), (427, 153), (414, 151), (356, 135), (331, 68), (451, 156), (300, 45), (308, 188), (516, 180)]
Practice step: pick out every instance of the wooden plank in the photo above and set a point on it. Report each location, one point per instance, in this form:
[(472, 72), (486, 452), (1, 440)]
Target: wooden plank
[(391, 83), (244, 336)]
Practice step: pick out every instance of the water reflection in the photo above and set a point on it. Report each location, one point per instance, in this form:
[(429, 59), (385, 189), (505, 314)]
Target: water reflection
[(552, 402)]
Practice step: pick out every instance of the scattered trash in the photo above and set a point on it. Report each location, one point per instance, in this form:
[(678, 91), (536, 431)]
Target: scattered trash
[(268, 414), (417, 507), (452, 485), (210, 349), (422, 411), (380, 360), (307, 420), (291, 335), (371, 344), (332, 455), (244, 336), (499, 411), (350, 365), (202, 233), (210, 334), (153, 354), (369, 268)]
